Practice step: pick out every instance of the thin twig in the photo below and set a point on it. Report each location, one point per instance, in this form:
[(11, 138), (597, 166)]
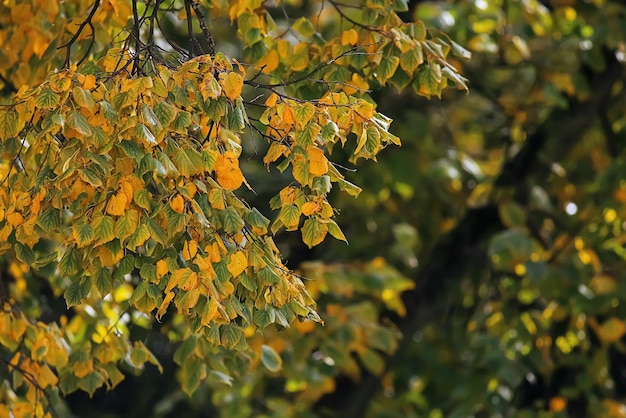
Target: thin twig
[(86, 22)]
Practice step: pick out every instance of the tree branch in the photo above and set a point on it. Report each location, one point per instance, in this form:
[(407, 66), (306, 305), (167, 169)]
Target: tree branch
[(86, 22)]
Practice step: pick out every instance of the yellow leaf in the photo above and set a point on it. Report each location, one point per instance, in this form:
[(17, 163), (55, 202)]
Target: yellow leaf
[(271, 101), (185, 278), (190, 249), (270, 61), (358, 84), (310, 208), (288, 195), (232, 84), (318, 164), (127, 189), (215, 253), (274, 152), (161, 268), (612, 330), (238, 263), (349, 37), (210, 312), (47, 377), (178, 204), (191, 190), (82, 369), (15, 218), (166, 302), (229, 175), (288, 116), (107, 257), (117, 204)]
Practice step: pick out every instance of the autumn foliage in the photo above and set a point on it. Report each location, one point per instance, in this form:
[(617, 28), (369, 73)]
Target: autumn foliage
[(122, 177)]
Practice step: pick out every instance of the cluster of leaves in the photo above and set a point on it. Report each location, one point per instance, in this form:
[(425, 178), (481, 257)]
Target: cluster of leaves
[(121, 175)]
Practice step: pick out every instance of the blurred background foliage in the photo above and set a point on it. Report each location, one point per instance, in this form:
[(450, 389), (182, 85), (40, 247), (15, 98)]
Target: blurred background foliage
[(485, 272)]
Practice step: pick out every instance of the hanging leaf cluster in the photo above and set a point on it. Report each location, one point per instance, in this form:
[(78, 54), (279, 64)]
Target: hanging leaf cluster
[(122, 169)]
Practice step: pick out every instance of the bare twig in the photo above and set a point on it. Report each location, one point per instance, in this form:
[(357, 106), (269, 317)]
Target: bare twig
[(205, 30), (86, 22)]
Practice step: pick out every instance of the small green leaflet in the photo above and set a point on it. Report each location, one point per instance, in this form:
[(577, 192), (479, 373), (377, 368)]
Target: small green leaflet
[(313, 232), (78, 122), (270, 359)]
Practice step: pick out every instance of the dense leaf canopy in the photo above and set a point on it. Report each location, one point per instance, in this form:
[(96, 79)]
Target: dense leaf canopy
[(171, 171)]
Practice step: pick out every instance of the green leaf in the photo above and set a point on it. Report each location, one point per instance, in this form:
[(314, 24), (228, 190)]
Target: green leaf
[(145, 297), (182, 122), (103, 229), (168, 165), (139, 237), (221, 378), (156, 232), (329, 132), (142, 198), (108, 111), (68, 382), (256, 219), (303, 112), (418, 30), (301, 172), (335, 231), (45, 260), (92, 175), (290, 216), (268, 277), (459, 51), (232, 337), (100, 138), (103, 279), (429, 77), (149, 117), (91, 382), (24, 254), (148, 272), (83, 98), (78, 122), (132, 149), (304, 27), (47, 99), (75, 293), (235, 118), (165, 112), (138, 356), (192, 373), (400, 80), (387, 68), (113, 374), (83, 233), (10, 125), (270, 359), (264, 317), (313, 232), (188, 162), (126, 225), (70, 262), (411, 59), (307, 135), (143, 133), (231, 221), (351, 189), (185, 350)]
